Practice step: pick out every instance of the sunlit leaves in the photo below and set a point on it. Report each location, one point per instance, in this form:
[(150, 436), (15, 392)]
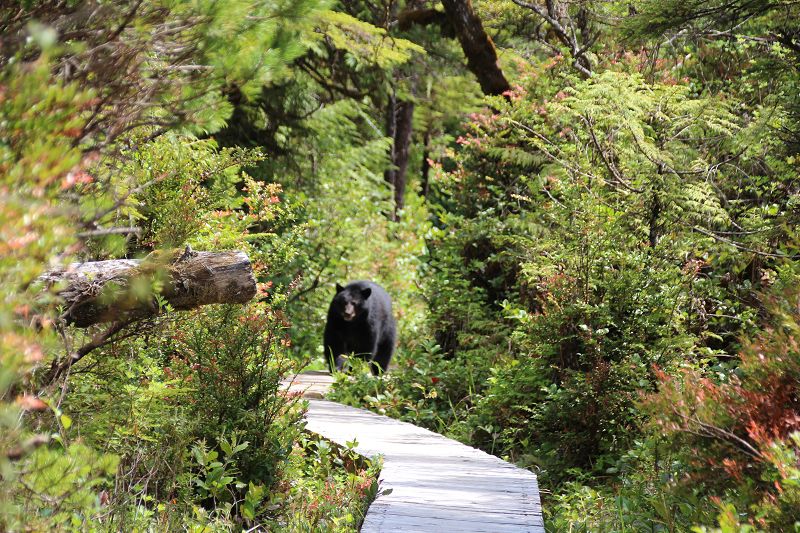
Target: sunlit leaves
[(366, 44)]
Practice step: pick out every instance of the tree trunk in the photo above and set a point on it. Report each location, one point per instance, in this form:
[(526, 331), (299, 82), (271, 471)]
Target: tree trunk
[(399, 126), (426, 163), (655, 211), (477, 45), (120, 290), (391, 132), (402, 144)]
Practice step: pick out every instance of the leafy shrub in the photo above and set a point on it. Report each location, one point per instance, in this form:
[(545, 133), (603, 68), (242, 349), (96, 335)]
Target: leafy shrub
[(236, 358), (424, 388), (66, 485), (40, 163), (331, 487), (201, 388), (738, 436), (589, 349), (219, 481)]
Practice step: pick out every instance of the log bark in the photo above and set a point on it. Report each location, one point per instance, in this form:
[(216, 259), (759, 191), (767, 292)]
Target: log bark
[(119, 290)]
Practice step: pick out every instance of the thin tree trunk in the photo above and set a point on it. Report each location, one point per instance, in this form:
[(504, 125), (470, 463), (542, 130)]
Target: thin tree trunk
[(402, 145), (391, 132), (655, 211), (426, 165), (399, 126)]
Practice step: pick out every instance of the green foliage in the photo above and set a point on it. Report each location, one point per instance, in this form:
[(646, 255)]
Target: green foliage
[(576, 271), (39, 117), (237, 360), (200, 389), (365, 43), (332, 487), (184, 182), (422, 389), (593, 236), (63, 486), (219, 482)]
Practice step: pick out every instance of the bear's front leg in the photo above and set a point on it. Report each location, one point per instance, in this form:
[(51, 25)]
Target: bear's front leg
[(375, 363), (383, 353), (335, 351)]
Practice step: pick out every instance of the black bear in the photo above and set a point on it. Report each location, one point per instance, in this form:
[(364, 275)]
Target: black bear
[(360, 322)]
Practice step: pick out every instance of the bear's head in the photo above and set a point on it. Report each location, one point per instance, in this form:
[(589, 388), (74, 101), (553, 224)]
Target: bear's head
[(351, 302)]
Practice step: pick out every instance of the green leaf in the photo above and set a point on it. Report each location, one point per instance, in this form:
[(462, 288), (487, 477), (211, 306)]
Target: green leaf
[(226, 447), (248, 511)]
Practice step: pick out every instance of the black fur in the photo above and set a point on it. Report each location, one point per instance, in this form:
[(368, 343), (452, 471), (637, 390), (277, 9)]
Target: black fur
[(369, 334)]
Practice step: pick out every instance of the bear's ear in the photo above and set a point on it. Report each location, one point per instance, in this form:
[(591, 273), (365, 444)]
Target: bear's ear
[(339, 288), (365, 293)]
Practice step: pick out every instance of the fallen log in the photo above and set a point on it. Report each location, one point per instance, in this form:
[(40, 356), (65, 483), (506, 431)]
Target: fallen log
[(123, 290)]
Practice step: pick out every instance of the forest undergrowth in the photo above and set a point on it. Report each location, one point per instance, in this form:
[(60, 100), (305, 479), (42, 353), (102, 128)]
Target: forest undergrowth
[(585, 212)]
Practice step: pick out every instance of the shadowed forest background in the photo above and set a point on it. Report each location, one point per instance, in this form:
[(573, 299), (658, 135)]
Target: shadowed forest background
[(585, 212)]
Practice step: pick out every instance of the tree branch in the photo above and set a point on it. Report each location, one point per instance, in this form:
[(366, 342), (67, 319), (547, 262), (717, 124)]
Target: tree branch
[(568, 38), (477, 46)]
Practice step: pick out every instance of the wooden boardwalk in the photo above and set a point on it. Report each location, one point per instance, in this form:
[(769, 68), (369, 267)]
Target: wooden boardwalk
[(311, 384), (437, 484)]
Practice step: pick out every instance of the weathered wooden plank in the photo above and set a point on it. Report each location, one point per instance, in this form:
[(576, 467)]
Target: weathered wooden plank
[(430, 506), (310, 384), (437, 484), (386, 522)]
